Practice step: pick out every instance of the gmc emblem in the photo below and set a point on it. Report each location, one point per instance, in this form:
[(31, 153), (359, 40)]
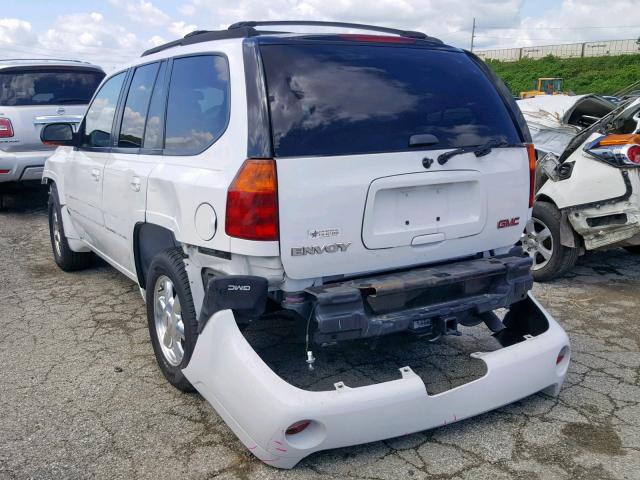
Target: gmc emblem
[(508, 222)]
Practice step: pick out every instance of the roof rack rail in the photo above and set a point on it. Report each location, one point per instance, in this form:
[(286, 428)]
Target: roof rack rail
[(246, 29), (314, 23), (198, 36), (42, 59)]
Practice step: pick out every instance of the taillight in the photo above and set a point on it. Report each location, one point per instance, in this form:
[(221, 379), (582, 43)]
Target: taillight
[(633, 154), (617, 150), (252, 202), (297, 427), (531, 152), (6, 129)]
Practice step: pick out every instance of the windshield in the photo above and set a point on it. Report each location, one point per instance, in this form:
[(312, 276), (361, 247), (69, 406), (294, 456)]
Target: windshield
[(48, 86), (338, 99)]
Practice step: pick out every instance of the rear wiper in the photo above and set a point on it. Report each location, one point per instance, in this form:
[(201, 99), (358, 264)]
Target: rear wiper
[(479, 151)]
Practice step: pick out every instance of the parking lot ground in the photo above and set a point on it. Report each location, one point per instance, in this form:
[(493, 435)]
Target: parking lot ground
[(81, 397)]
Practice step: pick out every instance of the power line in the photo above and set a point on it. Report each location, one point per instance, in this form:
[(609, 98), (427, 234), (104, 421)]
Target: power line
[(555, 28)]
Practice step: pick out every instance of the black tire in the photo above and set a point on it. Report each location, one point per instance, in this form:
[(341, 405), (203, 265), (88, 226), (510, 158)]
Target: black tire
[(635, 249), (562, 258), (169, 263), (65, 258)]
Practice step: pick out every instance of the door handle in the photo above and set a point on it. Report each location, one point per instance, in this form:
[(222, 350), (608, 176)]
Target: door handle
[(135, 184), (95, 173)]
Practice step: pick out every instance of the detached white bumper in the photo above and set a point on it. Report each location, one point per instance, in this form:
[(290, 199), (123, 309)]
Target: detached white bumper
[(259, 406)]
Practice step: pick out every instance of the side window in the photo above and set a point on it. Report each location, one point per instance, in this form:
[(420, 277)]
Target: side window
[(135, 108), (99, 119), (153, 134), (198, 105)]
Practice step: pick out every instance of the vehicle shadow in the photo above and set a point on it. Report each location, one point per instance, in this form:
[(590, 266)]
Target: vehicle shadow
[(23, 198)]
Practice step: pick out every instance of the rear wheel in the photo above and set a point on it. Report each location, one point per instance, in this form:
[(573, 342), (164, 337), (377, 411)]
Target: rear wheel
[(541, 241), (65, 258), (171, 316)]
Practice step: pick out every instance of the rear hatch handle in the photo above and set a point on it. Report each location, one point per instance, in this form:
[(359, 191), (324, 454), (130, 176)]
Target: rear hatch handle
[(422, 140), (478, 151)]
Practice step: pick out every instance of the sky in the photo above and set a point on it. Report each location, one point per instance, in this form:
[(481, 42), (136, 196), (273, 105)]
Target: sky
[(112, 32)]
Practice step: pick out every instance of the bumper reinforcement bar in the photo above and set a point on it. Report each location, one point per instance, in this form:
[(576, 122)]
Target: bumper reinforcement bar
[(429, 300)]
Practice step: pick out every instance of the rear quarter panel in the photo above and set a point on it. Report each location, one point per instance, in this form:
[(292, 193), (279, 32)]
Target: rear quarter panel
[(179, 184)]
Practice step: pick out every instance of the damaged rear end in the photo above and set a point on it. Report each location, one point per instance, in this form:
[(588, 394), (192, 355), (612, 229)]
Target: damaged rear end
[(281, 424), (595, 181), (398, 176)]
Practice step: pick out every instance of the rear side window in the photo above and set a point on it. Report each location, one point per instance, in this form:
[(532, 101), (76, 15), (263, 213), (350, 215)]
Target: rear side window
[(349, 99), (135, 109), (198, 103), (48, 86), (98, 121)]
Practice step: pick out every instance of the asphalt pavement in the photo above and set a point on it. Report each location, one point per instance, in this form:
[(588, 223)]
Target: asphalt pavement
[(81, 396)]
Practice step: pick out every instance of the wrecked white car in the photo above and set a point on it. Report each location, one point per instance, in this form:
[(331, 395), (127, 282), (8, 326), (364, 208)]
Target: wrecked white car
[(359, 185), (587, 186)]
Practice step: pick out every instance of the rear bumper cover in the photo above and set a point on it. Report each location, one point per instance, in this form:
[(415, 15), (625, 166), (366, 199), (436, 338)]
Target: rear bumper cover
[(419, 299), (259, 406), (23, 166)]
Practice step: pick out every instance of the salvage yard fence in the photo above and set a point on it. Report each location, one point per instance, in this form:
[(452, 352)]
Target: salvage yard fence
[(568, 50)]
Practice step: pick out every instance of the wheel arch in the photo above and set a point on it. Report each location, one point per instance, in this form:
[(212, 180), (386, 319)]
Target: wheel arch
[(545, 198), (568, 236), (149, 239)]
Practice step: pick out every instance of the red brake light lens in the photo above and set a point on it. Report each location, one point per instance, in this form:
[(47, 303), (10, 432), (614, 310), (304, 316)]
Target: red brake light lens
[(297, 427), (531, 152), (6, 128), (633, 154), (252, 202)]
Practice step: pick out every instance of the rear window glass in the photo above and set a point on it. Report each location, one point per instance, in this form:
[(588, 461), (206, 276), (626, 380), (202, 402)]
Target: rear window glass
[(48, 87), (348, 99)]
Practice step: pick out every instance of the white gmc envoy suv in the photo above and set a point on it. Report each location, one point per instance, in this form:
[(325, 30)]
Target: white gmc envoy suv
[(370, 180)]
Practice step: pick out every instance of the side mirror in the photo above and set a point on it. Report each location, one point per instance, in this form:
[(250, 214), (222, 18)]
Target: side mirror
[(245, 295), (60, 134)]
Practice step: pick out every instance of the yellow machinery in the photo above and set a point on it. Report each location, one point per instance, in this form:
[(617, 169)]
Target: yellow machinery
[(546, 86)]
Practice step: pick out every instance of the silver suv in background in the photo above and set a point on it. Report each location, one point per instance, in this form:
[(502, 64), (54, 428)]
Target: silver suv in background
[(34, 93)]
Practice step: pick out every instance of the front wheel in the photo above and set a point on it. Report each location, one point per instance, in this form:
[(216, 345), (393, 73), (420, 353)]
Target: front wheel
[(541, 241), (171, 316), (65, 258)]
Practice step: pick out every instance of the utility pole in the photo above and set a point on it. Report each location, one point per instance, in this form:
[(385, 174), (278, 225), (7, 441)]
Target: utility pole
[(473, 32)]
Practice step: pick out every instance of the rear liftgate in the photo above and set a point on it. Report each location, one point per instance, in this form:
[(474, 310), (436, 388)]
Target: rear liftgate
[(282, 424)]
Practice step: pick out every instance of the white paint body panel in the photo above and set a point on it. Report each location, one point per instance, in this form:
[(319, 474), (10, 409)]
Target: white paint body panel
[(258, 405), (339, 194), (591, 181)]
